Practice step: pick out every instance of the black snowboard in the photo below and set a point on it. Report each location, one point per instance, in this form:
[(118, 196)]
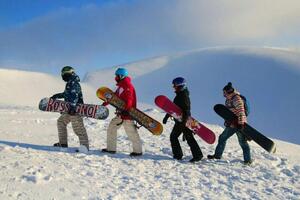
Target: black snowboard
[(250, 132)]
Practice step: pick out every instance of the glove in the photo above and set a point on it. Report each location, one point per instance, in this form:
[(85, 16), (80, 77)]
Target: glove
[(184, 119), (241, 127), (124, 112), (105, 103), (227, 123), (165, 120), (127, 108), (55, 96), (72, 110)]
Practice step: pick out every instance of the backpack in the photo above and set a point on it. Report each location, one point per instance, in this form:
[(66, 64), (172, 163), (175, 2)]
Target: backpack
[(246, 105)]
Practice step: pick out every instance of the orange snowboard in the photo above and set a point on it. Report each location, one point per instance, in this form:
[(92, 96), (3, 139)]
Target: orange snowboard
[(146, 121)]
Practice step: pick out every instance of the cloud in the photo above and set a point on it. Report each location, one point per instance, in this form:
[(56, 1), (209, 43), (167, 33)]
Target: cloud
[(93, 35)]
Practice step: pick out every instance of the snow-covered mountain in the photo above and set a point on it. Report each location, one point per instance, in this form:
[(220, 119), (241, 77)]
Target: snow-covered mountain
[(268, 77)]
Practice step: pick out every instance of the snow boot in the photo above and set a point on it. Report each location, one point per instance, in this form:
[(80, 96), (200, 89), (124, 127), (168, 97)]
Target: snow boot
[(106, 151), (60, 145), (82, 149), (213, 157), (135, 154), (177, 157), (193, 160), (248, 162)]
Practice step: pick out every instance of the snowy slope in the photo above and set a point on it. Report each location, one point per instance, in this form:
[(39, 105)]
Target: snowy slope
[(21, 88), (32, 169), (268, 77)]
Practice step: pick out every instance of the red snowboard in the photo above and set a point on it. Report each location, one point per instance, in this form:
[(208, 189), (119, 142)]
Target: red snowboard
[(168, 106)]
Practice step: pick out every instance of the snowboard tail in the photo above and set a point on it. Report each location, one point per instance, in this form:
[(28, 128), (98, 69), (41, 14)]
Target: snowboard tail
[(85, 110), (143, 119), (249, 131), (172, 109)]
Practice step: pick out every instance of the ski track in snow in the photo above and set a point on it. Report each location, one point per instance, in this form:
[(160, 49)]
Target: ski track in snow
[(32, 169)]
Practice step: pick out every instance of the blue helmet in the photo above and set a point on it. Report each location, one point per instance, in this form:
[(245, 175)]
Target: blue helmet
[(179, 81), (121, 72)]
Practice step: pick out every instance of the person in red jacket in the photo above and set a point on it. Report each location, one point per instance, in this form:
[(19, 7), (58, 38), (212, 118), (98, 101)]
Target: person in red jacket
[(125, 90)]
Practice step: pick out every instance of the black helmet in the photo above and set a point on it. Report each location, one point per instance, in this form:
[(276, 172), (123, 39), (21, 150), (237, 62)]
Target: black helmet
[(67, 72)]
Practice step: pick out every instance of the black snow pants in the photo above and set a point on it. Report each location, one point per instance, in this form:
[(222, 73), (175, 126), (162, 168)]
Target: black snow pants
[(189, 136)]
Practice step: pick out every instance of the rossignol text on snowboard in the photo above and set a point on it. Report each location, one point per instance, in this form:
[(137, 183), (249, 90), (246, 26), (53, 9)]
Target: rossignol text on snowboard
[(85, 110)]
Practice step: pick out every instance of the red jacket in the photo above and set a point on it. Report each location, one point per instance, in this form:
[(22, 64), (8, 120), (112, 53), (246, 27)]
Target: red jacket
[(126, 92)]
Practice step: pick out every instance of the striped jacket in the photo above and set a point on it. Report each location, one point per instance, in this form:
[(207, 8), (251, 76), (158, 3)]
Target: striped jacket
[(236, 104)]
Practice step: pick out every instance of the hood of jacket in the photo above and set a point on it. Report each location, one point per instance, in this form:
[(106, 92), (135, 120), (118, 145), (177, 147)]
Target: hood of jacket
[(74, 77), (124, 81), (184, 90), (229, 96)]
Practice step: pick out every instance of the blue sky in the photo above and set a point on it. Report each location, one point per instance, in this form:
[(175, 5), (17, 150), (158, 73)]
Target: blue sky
[(16, 12), (48, 34)]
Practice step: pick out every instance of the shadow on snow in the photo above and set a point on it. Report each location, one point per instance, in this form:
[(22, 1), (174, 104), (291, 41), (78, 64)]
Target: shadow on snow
[(72, 150)]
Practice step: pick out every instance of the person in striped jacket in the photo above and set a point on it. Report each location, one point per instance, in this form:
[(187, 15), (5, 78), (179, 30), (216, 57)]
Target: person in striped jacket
[(236, 104)]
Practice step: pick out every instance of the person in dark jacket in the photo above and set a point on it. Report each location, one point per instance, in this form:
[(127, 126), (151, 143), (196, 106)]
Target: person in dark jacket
[(235, 103), (182, 100), (73, 95)]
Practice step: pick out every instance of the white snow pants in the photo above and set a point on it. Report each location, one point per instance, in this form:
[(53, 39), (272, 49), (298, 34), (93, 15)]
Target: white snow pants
[(130, 130)]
